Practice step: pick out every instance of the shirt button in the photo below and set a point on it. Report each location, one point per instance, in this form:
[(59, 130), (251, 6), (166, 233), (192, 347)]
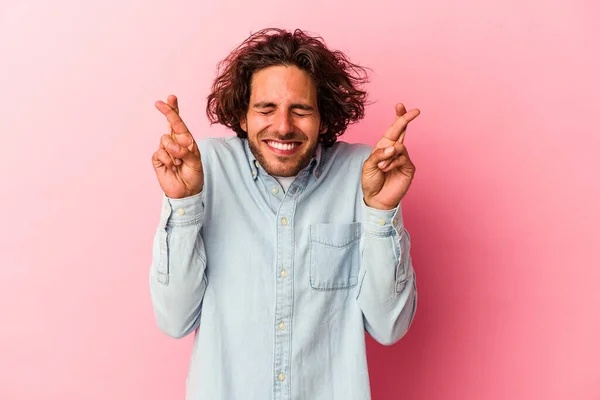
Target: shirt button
[(382, 222), (283, 273), (281, 326), (284, 221), (275, 190), (181, 211), (281, 376), (256, 164)]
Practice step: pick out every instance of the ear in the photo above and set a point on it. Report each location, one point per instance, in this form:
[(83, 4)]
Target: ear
[(323, 129), (243, 124)]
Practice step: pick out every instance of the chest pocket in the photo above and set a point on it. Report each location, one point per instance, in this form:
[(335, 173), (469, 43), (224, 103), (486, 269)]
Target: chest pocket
[(334, 256)]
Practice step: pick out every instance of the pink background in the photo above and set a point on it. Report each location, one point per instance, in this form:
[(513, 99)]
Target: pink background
[(503, 213)]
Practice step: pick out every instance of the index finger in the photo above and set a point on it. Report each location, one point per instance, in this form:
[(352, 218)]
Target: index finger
[(177, 125), (395, 132), (172, 102)]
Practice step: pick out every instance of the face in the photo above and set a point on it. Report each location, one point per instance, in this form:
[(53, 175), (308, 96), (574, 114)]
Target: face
[(283, 121)]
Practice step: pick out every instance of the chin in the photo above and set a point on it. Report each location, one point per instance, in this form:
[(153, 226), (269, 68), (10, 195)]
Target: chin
[(278, 168)]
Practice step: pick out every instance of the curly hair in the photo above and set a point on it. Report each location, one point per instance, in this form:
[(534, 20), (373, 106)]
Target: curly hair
[(339, 99)]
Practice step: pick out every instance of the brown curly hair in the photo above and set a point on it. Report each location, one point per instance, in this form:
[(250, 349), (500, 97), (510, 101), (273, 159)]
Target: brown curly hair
[(339, 99)]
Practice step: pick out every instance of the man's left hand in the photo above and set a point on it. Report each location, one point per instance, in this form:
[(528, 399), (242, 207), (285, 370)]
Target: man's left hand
[(388, 172)]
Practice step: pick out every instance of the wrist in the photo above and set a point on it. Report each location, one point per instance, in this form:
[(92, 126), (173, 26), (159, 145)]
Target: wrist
[(378, 205)]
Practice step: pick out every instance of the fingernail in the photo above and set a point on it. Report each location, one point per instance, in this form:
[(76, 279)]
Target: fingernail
[(177, 161), (174, 147), (381, 164), (389, 150)]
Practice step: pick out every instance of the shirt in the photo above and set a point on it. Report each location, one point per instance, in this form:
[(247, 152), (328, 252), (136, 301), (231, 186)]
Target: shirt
[(280, 288), (285, 181)]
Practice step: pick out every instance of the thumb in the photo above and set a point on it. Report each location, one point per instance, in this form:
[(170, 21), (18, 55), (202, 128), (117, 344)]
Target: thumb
[(379, 155), (191, 158)]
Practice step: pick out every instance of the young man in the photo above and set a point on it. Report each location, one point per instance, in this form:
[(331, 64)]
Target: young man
[(280, 246)]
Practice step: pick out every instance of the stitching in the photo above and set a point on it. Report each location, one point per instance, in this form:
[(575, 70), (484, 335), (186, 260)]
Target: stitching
[(197, 220), (353, 237)]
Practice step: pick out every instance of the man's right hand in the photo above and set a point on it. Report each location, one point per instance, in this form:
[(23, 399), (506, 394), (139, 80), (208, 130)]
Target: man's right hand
[(177, 161)]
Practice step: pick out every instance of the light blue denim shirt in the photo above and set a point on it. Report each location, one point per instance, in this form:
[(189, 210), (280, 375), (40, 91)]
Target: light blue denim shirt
[(280, 287)]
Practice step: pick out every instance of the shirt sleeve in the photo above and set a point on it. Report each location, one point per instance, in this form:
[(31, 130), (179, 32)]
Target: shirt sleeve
[(387, 291), (178, 271)]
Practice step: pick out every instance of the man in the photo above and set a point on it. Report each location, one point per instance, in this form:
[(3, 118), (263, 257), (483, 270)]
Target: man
[(280, 246)]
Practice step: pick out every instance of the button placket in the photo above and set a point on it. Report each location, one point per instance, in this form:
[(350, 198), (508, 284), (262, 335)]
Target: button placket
[(284, 291), (283, 296)]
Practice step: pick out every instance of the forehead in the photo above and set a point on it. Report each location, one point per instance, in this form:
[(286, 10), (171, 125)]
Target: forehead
[(280, 84)]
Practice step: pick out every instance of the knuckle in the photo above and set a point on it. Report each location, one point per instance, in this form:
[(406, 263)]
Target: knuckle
[(164, 155), (178, 124), (400, 122)]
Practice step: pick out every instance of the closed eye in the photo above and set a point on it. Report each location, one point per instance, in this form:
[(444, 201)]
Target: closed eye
[(270, 112)]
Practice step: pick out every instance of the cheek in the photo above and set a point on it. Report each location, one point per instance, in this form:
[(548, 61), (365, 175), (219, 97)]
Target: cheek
[(258, 124), (312, 129), (255, 127)]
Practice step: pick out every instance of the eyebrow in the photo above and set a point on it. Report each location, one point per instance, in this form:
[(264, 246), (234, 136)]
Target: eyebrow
[(266, 104)]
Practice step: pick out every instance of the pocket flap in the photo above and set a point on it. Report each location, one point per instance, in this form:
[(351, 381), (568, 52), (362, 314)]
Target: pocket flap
[(335, 235)]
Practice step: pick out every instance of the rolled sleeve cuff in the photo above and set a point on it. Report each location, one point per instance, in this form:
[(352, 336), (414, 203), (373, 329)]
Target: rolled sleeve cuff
[(184, 211), (382, 222)]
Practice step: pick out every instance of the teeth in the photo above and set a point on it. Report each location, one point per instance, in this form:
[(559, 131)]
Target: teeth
[(282, 146)]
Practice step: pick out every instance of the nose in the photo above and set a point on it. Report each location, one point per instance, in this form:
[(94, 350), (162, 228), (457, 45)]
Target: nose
[(283, 122)]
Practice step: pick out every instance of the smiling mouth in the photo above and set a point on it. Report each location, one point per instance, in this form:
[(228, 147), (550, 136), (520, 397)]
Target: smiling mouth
[(285, 148)]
